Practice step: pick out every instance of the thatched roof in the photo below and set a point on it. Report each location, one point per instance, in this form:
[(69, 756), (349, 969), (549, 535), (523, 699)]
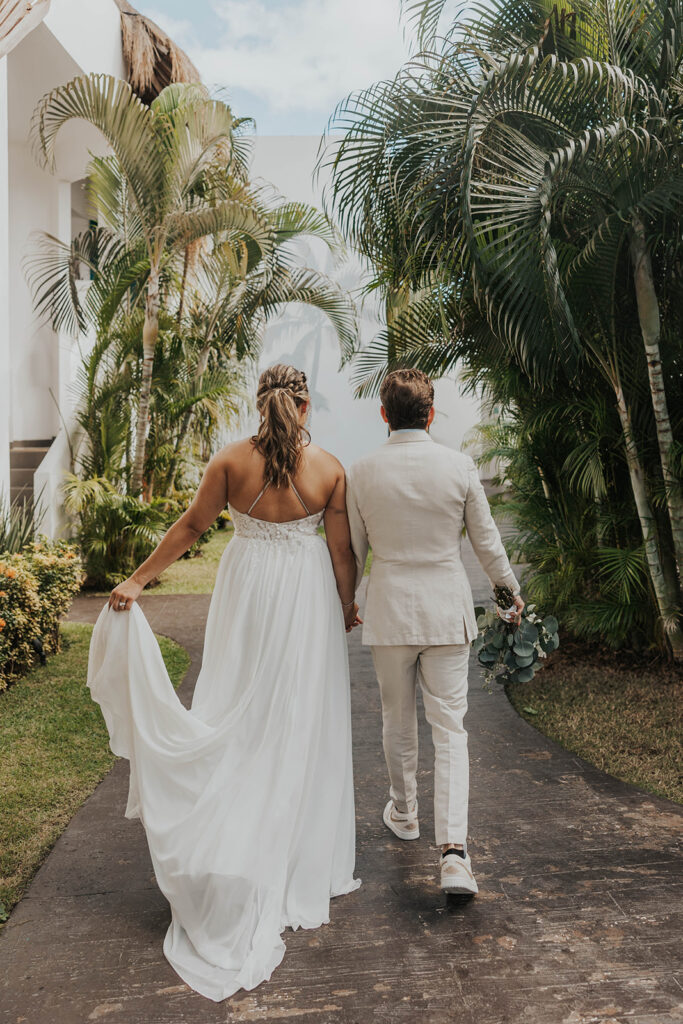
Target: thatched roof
[(151, 57)]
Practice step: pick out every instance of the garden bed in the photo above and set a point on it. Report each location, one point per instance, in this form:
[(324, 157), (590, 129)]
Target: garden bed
[(54, 749), (620, 713)]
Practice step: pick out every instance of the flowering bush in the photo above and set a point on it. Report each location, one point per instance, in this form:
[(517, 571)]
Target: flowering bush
[(59, 572), (36, 588)]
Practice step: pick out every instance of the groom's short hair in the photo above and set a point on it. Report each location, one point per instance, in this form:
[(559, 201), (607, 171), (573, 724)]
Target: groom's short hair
[(407, 397)]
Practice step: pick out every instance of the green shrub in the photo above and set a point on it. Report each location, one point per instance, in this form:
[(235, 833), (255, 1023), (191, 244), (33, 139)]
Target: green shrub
[(174, 507), (36, 589), (59, 572), (116, 532)]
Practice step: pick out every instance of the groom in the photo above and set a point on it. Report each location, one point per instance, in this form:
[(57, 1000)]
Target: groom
[(409, 501)]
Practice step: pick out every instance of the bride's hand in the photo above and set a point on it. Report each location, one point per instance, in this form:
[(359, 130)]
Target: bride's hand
[(124, 595), (351, 618)]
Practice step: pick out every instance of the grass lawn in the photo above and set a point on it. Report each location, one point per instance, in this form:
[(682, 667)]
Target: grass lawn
[(54, 749), (195, 575), (623, 716)]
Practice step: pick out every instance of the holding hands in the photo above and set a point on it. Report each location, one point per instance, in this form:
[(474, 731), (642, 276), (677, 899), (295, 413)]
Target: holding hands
[(351, 618)]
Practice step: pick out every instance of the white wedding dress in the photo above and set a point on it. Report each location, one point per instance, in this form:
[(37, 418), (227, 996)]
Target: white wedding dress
[(246, 799)]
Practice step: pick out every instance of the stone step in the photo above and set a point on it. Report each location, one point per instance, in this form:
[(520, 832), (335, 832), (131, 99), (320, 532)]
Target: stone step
[(27, 456), (44, 442), (21, 476), (21, 496)]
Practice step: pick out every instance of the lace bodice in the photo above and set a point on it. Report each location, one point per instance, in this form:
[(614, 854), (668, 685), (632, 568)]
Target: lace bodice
[(250, 528)]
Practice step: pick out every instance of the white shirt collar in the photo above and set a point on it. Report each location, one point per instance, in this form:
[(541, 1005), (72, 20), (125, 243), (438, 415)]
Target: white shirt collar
[(406, 435)]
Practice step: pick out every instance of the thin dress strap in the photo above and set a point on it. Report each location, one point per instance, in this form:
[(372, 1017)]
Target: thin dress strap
[(301, 500), (263, 491), (257, 498)]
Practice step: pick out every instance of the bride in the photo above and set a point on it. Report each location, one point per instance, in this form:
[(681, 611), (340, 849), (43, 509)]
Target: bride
[(246, 799)]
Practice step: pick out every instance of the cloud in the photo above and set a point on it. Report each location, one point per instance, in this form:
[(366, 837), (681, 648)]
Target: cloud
[(295, 54)]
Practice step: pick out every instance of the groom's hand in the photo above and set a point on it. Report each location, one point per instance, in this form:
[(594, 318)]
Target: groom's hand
[(515, 613)]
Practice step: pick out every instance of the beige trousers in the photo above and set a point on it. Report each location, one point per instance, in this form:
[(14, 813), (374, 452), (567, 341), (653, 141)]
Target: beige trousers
[(442, 674)]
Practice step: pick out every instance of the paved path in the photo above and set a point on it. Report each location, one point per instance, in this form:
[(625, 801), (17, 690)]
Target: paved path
[(575, 922)]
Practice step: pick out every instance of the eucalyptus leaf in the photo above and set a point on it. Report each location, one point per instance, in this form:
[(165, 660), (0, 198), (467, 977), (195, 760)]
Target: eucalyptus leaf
[(524, 662), (523, 675), (523, 649), (551, 623), (529, 632)]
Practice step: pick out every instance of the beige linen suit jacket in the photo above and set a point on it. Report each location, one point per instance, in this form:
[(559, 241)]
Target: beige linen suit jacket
[(409, 501)]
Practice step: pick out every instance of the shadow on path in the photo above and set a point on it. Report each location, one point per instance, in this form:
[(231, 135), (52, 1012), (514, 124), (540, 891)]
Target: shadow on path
[(575, 922)]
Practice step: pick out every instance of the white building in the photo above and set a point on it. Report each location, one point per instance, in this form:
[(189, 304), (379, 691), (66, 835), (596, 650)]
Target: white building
[(45, 44)]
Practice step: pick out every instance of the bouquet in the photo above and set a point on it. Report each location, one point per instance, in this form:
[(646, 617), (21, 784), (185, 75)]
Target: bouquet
[(510, 653)]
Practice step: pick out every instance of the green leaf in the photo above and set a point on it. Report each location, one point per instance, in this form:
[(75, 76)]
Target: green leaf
[(551, 623), (487, 657), (523, 649), (529, 710), (523, 675), (529, 632), (524, 662)]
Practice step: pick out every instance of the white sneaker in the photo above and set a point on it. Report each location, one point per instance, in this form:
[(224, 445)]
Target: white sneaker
[(457, 876), (405, 826)]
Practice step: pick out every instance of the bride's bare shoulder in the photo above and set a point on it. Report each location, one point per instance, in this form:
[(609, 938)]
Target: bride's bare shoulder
[(324, 460), (235, 451)]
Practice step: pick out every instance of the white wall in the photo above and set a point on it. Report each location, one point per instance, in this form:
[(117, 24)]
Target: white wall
[(346, 426), (90, 31), (76, 37), (4, 287)]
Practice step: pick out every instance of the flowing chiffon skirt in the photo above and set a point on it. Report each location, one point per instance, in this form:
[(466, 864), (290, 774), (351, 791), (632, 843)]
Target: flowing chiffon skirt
[(247, 798)]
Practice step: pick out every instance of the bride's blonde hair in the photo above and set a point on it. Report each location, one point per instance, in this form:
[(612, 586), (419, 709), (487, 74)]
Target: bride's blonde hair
[(282, 390)]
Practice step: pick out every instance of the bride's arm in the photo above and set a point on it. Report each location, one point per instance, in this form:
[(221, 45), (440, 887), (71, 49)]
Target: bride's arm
[(338, 536), (211, 497)]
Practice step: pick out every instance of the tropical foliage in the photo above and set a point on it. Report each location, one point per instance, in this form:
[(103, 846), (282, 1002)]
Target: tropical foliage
[(37, 586), (518, 189), (188, 261)]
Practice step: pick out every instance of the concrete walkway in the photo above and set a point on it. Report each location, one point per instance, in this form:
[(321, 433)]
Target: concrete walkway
[(575, 922)]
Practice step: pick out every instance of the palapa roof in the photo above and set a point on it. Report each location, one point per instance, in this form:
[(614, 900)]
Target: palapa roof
[(152, 59)]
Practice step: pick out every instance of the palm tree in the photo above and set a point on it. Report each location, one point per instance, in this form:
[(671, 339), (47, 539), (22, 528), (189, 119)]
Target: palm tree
[(530, 163), (161, 154), (230, 302)]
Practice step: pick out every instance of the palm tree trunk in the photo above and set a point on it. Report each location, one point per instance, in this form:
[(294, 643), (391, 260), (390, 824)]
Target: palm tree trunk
[(183, 284), (663, 584), (150, 333), (650, 326)]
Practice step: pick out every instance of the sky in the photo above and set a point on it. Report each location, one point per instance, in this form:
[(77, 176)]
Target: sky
[(286, 63)]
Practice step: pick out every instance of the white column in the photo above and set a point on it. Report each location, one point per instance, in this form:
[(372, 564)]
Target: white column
[(4, 285)]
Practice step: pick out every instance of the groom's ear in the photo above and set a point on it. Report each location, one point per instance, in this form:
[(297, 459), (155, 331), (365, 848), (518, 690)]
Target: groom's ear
[(383, 413), (430, 418)]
